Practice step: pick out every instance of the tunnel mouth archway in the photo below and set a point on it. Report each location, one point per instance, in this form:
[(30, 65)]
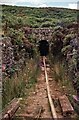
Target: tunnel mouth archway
[(43, 47)]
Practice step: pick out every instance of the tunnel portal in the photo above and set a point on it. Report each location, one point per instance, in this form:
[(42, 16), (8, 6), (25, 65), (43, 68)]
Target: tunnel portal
[(43, 47)]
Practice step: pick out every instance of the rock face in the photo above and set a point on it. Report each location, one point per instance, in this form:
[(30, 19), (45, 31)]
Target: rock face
[(14, 56), (43, 33), (7, 56), (38, 33)]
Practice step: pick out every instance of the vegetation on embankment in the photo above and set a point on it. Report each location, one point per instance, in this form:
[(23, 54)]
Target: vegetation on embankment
[(19, 85), (64, 82), (61, 76), (35, 17), (14, 18)]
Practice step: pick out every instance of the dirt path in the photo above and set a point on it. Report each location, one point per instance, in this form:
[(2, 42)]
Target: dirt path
[(37, 102), (36, 105), (38, 99)]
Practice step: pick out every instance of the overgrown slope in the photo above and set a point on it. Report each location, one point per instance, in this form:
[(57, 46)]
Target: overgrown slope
[(36, 17)]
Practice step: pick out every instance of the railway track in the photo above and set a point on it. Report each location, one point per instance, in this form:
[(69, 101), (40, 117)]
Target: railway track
[(64, 105), (46, 102), (54, 115)]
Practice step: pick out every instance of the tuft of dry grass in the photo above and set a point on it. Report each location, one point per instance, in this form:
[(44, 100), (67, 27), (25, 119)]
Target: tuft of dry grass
[(17, 85)]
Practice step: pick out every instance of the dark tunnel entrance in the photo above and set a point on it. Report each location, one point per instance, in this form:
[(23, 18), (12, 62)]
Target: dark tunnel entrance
[(43, 47)]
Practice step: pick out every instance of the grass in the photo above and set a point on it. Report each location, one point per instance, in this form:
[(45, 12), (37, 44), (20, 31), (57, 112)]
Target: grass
[(30, 86), (17, 85), (61, 76)]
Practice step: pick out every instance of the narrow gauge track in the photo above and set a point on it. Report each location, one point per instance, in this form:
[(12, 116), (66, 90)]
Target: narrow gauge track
[(66, 108), (54, 115), (40, 103)]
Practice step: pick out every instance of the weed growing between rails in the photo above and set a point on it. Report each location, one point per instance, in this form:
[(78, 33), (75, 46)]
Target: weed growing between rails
[(17, 85)]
